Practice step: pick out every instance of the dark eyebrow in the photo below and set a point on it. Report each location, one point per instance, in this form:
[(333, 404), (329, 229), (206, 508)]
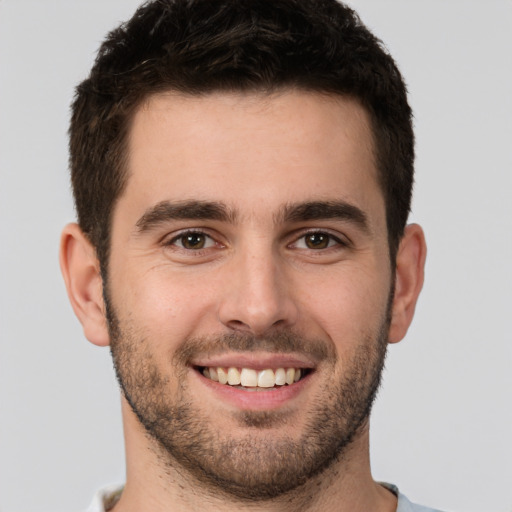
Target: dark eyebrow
[(183, 210), (321, 210)]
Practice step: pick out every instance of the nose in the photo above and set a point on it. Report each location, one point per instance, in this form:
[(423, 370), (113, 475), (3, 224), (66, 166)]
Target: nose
[(258, 295)]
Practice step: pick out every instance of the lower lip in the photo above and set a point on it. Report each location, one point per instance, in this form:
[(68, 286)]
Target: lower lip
[(267, 399)]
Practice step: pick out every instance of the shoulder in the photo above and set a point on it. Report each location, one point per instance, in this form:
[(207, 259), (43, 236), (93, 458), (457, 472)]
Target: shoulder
[(105, 499), (404, 505)]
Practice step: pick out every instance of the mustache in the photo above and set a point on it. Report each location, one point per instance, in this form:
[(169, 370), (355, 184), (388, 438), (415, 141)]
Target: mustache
[(282, 342)]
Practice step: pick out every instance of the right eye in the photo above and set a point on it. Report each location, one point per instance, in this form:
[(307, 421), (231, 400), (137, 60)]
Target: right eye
[(192, 241)]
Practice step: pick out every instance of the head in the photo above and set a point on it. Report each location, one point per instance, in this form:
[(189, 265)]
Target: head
[(242, 172), (206, 46)]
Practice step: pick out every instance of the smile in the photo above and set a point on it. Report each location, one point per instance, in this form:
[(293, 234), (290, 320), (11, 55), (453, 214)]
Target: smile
[(254, 379)]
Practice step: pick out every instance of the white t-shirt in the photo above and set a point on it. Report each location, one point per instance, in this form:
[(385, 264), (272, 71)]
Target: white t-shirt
[(108, 497)]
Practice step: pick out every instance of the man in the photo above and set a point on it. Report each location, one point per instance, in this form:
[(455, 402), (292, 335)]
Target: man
[(242, 174)]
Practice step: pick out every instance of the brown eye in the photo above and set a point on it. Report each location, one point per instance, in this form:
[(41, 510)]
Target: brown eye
[(193, 241), (317, 240)]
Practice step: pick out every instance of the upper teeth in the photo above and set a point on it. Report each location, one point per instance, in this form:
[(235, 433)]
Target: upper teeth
[(248, 377)]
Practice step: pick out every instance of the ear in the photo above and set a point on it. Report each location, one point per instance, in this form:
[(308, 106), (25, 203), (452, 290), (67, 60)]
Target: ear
[(81, 271), (410, 264)]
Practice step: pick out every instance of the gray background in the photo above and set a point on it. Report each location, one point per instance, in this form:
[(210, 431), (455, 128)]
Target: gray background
[(442, 426)]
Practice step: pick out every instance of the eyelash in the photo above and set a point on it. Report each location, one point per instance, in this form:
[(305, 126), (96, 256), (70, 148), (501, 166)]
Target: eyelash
[(189, 233), (332, 241)]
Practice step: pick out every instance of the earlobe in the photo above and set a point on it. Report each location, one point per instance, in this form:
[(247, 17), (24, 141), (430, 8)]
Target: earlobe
[(81, 271), (410, 264)]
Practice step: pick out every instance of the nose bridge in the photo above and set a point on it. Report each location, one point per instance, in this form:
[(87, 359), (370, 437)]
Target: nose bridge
[(258, 297)]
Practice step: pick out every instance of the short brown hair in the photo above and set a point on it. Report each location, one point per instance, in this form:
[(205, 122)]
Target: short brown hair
[(200, 46)]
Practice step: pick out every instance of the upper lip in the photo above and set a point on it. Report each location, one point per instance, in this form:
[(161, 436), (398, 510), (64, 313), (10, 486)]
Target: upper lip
[(254, 360)]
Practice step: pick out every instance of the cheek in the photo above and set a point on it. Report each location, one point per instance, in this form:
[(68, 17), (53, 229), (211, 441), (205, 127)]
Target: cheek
[(167, 307), (349, 306)]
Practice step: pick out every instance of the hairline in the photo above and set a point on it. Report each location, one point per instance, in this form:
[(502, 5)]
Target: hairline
[(121, 166)]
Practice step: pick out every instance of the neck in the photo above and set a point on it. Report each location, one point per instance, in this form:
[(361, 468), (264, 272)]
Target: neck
[(153, 484)]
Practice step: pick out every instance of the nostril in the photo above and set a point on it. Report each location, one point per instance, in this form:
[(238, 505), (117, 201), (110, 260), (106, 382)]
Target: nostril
[(257, 313), (257, 330), (238, 325)]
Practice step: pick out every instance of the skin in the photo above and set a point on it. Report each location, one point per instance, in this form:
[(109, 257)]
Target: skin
[(256, 155)]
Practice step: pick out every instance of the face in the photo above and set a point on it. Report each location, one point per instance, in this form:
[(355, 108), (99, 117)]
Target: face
[(249, 284)]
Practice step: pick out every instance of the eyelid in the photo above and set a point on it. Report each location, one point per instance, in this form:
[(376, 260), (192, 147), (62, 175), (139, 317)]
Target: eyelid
[(170, 240), (340, 239)]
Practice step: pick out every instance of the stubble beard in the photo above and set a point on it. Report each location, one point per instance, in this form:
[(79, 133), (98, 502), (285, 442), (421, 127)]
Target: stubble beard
[(252, 467)]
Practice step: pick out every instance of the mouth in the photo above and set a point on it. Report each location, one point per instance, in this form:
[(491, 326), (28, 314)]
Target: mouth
[(255, 381), (250, 379)]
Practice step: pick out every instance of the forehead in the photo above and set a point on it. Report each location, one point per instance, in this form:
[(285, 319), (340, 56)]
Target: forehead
[(251, 149)]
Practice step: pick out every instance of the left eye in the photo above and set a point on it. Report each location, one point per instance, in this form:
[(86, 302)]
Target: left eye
[(193, 241), (318, 240)]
